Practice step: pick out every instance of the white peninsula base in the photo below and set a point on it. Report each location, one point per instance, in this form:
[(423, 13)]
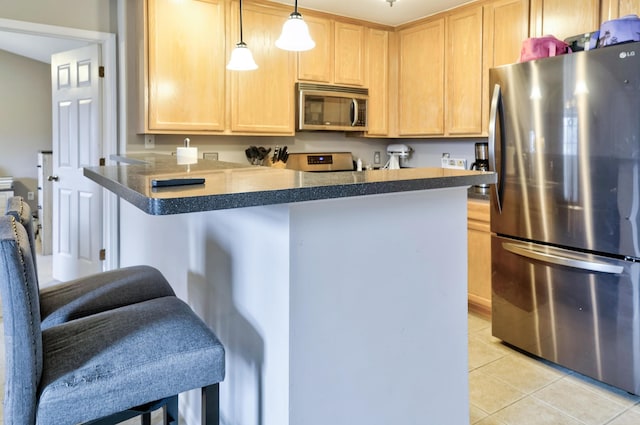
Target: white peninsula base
[(348, 311)]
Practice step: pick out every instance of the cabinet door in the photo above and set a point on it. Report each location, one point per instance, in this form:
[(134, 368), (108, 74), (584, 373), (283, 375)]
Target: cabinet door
[(378, 72), (612, 9), (421, 79), (479, 255), (186, 65), (464, 72), (506, 24), (262, 101), (628, 7), (564, 18), (349, 54), (317, 64)]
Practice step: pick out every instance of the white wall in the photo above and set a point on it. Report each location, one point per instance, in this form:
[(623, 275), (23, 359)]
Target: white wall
[(25, 120), (95, 15)]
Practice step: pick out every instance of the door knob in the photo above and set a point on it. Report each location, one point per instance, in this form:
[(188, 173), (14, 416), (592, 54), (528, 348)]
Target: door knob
[(53, 178)]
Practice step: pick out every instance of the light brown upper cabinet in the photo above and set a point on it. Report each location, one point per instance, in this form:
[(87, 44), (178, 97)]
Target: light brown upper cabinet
[(612, 9), (378, 82), (185, 66), (187, 87), (349, 54), (506, 24), (317, 64), (421, 79), (262, 101), (463, 59), (339, 55), (430, 104), (564, 18)]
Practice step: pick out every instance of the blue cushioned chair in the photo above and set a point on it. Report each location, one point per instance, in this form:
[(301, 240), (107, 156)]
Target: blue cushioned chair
[(102, 368), (92, 294)]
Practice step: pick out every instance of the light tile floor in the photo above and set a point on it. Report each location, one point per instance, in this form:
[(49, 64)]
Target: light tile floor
[(507, 387)]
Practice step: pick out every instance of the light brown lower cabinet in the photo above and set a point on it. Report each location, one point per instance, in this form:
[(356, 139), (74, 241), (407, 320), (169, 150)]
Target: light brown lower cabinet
[(479, 256)]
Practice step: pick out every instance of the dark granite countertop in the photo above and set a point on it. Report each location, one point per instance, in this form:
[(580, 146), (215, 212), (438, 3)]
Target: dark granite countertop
[(231, 185)]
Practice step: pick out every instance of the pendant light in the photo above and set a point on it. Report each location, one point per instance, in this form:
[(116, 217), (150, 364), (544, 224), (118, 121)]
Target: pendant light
[(295, 34), (390, 2), (241, 57)]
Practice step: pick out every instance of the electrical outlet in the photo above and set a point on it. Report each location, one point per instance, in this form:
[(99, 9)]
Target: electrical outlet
[(457, 163), (376, 157), (30, 196), (149, 141), (210, 155)]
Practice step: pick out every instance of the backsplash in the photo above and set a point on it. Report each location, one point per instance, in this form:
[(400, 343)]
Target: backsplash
[(426, 152)]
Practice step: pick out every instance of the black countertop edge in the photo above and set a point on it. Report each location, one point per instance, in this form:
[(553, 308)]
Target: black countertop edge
[(155, 206)]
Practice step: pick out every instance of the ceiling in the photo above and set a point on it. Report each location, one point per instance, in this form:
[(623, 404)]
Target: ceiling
[(380, 11)]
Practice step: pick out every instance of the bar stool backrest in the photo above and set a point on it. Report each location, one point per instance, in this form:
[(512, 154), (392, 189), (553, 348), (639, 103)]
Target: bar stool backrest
[(21, 316)]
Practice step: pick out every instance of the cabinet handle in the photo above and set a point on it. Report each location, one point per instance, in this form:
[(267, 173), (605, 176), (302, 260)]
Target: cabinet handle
[(555, 256), (354, 112)]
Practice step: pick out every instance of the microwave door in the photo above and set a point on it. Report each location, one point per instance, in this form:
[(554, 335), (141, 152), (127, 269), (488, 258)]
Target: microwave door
[(337, 111)]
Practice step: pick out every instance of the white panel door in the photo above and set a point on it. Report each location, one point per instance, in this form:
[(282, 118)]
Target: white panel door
[(77, 143)]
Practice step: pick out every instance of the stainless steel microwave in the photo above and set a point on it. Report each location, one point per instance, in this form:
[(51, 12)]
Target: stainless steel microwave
[(325, 107)]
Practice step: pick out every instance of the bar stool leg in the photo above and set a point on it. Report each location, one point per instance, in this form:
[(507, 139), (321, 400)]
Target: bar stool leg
[(145, 418), (170, 411), (211, 405)]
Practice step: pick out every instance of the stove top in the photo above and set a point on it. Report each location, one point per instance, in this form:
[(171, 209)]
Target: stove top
[(320, 161)]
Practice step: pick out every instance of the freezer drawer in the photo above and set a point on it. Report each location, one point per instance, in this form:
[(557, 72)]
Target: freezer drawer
[(577, 310)]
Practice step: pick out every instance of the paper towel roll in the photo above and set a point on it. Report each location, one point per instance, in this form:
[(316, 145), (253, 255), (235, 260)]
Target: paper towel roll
[(187, 155)]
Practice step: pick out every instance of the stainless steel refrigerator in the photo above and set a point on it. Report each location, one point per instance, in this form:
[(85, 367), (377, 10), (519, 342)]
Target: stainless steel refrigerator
[(564, 138)]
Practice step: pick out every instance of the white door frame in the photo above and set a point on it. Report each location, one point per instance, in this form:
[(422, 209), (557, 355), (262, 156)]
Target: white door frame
[(109, 113)]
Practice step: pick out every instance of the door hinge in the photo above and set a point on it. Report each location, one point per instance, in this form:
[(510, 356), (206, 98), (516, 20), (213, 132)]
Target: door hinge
[(102, 161), (101, 71), (103, 254)]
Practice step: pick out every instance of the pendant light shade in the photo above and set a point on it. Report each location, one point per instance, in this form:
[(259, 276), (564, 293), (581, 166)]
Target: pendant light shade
[(241, 57), (295, 34)]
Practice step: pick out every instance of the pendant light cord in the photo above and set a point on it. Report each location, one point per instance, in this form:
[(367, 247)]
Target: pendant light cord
[(241, 41), (295, 11)]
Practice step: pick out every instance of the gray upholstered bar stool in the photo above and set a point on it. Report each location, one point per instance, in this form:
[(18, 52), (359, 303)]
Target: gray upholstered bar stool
[(92, 294), (98, 368)]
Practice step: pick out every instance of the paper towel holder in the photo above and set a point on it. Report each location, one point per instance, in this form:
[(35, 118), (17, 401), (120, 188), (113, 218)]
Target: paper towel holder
[(187, 154)]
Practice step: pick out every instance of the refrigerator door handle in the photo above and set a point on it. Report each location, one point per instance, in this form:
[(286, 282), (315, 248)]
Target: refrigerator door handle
[(558, 259), (496, 117)]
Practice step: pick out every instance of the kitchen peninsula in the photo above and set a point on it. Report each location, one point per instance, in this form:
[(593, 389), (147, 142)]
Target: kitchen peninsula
[(341, 298)]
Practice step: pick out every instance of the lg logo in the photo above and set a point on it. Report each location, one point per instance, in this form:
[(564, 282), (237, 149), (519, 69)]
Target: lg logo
[(624, 55)]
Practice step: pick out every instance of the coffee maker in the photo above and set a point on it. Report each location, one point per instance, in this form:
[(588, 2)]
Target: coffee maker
[(482, 160)]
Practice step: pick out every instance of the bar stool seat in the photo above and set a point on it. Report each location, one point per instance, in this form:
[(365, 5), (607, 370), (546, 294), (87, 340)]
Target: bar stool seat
[(126, 357), (91, 294), (92, 369)]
